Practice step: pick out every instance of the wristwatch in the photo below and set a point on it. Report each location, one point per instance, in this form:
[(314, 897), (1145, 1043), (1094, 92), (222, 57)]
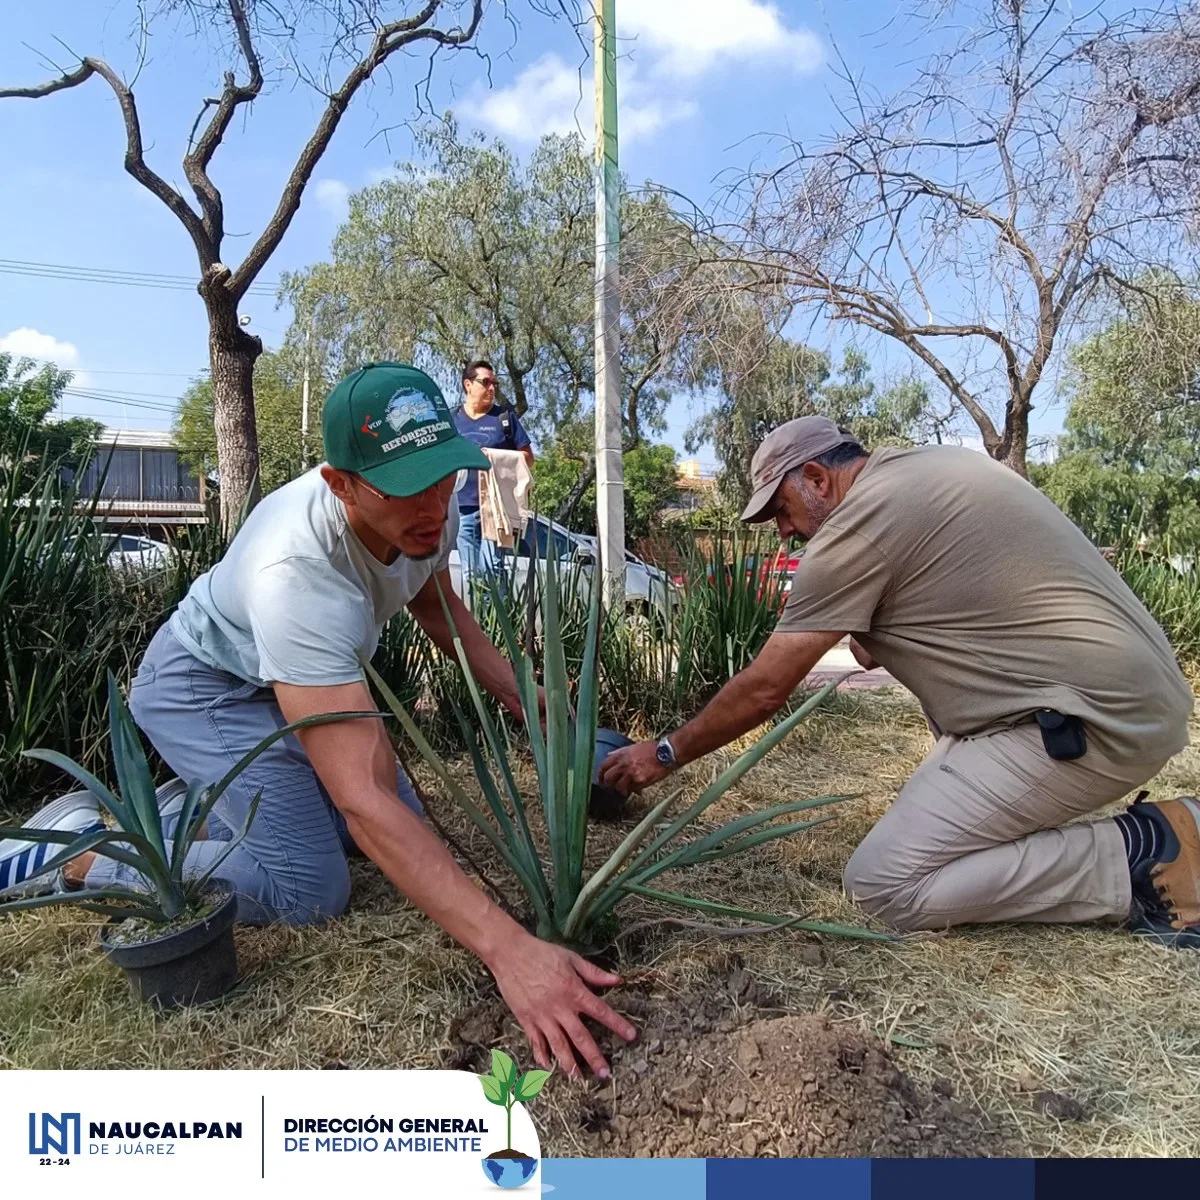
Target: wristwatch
[(665, 753)]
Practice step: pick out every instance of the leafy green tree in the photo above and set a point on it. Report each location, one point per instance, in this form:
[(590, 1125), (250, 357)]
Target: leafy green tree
[(650, 485), (28, 397), (278, 389), (786, 380), (1128, 466), (472, 252)]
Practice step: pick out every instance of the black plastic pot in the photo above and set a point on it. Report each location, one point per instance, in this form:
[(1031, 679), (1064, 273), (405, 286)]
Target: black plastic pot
[(607, 804), (186, 966)]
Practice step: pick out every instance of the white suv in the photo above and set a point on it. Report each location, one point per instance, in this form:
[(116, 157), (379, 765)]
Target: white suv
[(646, 587)]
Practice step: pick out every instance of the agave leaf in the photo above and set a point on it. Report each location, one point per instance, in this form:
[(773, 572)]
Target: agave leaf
[(556, 782), (187, 827), (738, 845), (524, 845), (460, 797), (87, 899), (685, 857), (581, 912), (143, 858), (218, 789), (733, 773), (133, 772), (102, 793), (727, 910), (195, 887), (690, 852)]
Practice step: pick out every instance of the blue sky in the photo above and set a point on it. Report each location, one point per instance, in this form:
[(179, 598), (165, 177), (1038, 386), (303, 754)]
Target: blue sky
[(699, 81)]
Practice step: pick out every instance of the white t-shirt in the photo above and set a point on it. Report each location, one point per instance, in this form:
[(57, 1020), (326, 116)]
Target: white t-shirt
[(298, 598)]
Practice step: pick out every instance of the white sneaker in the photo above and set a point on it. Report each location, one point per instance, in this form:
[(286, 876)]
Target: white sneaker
[(78, 812)]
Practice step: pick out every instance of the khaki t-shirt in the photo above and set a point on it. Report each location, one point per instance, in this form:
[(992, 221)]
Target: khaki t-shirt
[(977, 594)]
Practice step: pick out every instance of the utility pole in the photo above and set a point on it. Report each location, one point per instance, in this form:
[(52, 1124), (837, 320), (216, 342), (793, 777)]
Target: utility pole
[(610, 476), (304, 403)]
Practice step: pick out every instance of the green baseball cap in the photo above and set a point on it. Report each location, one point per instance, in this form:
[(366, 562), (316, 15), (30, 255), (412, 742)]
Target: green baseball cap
[(390, 423)]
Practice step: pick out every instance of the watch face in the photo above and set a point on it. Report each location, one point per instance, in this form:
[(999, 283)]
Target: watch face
[(663, 754)]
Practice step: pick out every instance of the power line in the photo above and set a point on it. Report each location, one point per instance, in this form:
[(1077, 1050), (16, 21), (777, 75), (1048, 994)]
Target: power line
[(99, 391), (123, 401), (50, 362), (125, 278)]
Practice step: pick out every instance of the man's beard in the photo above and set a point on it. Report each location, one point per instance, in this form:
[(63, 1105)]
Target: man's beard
[(817, 507)]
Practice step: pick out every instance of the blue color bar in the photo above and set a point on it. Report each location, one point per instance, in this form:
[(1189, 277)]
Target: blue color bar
[(622, 1178), (953, 1179), (782, 1178)]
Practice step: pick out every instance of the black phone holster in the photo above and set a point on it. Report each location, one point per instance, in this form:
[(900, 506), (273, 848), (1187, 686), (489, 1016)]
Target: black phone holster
[(1062, 736)]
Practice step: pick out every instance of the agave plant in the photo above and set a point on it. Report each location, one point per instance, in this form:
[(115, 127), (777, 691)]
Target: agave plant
[(138, 840), (569, 907)]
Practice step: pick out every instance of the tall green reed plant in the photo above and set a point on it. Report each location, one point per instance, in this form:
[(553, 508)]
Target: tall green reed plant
[(67, 618), (1171, 593)]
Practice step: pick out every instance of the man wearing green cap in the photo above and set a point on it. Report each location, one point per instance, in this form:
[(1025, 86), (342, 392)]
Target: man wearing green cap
[(277, 631)]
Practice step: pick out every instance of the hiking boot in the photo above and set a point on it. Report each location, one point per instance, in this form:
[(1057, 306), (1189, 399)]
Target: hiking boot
[(1166, 889), (21, 862)]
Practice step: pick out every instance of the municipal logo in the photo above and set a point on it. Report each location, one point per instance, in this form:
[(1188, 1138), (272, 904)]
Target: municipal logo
[(49, 1134), (409, 405)]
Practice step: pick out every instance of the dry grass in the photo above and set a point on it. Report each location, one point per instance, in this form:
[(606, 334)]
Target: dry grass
[(1001, 1012)]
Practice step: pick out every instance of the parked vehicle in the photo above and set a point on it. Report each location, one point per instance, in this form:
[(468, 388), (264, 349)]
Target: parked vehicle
[(131, 551), (647, 588)]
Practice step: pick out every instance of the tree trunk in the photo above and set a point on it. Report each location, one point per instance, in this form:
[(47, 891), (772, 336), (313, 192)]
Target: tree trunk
[(1014, 449), (232, 353), (586, 477)]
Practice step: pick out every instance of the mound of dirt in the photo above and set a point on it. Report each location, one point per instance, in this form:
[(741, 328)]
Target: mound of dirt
[(796, 1086), (724, 1072)]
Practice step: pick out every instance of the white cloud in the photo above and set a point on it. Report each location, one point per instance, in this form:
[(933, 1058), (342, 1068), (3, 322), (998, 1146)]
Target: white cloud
[(379, 174), (334, 197), (688, 37), (552, 96), (44, 347), (665, 46)]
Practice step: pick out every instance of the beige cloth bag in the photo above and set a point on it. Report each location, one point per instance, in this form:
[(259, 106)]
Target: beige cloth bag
[(504, 496)]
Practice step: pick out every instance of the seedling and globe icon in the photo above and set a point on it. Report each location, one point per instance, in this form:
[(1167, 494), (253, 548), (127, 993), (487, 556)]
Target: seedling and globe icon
[(509, 1168)]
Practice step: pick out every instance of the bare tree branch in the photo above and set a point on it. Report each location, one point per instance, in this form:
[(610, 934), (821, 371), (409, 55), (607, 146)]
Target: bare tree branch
[(69, 79), (389, 39)]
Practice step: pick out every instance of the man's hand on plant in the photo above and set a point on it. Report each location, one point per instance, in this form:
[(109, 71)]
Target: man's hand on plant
[(513, 704), (547, 988), (633, 768)]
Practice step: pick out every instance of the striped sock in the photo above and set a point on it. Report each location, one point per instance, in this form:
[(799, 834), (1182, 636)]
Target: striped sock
[(1143, 838)]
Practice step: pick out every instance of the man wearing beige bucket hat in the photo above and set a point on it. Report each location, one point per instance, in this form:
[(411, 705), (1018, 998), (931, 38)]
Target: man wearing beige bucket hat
[(1050, 688)]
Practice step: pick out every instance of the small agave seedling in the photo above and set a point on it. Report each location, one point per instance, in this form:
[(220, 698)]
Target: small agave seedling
[(568, 906), (138, 839)]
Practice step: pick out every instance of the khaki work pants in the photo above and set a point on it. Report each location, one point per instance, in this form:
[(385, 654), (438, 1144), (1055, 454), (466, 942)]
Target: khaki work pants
[(979, 833)]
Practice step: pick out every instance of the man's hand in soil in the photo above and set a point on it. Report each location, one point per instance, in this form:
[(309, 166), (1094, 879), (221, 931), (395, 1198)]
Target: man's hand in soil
[(547, 988)]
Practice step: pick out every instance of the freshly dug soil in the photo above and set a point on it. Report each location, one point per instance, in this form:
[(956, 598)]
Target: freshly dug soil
[(724, 1072), (791, 1087)]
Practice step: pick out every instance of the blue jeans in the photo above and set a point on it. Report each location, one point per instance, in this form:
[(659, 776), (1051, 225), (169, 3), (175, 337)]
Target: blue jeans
[(475, 553), (478, 556), (291, 865)]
